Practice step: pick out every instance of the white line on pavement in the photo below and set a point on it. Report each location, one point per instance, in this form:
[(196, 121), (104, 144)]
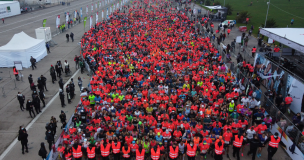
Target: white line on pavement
[(10, 147)]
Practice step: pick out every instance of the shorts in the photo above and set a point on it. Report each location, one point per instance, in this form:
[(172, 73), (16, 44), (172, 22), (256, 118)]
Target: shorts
[(180, 153), (203, 154), (226, 145)]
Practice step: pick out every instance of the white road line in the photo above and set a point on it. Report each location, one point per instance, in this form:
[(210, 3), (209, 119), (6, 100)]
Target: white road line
[(10, 147)]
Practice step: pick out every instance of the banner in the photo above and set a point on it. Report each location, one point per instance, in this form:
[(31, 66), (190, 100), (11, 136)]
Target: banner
[(58, 21), (295, 89), (43, 23), (92, 8), (99, 4), (96, 17), (75, 15), (91, 21), (84, 21), (96, 5), (81, 12), (107, 13), (117, 6), (67, 17), (270, 73), (102, 15), (110, 9), (87, 9)]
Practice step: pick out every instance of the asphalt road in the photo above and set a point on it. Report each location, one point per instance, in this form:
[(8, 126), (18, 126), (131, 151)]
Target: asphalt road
[(11, 117)]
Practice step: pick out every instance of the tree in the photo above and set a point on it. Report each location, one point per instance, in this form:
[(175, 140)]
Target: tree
[(207, 3), (229, 9), (242, 17), (270, 23)]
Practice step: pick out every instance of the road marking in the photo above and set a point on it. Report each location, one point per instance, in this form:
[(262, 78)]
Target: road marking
[(10, 147)]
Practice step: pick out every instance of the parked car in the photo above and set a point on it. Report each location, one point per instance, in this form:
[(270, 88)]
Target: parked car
[(225, 23)]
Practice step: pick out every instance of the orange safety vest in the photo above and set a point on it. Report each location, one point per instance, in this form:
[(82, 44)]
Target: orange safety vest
[(77, 153), (238, 141), (173, 153), (191, 150), (155, 155), (140, 156), (196, 140), (253, 50), (116, 149), (105, 151), (274, 142), (219, 150), (15, 71), (91, 153), (60, 150), (126, 153), (68, 156)]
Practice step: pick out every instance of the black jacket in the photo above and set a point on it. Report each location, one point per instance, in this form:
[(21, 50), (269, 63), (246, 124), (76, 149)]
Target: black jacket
[(255, 143), (42, 152), (49, 137), (23, 138)]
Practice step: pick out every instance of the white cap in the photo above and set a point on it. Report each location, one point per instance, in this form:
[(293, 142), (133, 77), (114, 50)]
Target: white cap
[(232, 101)]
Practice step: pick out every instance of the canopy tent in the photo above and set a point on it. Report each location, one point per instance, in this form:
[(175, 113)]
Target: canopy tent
[(20, 48), (292, 37)]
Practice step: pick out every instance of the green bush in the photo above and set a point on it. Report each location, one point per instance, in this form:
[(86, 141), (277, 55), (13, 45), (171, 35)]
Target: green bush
[(271, 23), (229, 9), (242, 17)]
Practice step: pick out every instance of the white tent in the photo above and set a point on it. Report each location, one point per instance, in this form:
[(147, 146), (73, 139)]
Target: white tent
[(292, 37), (20, 48)]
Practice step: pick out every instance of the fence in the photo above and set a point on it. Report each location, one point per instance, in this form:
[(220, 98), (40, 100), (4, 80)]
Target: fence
[(53, 153), (8, 86), (290, 133)]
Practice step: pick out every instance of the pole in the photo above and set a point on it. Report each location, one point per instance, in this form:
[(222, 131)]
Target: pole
[(268, 3)]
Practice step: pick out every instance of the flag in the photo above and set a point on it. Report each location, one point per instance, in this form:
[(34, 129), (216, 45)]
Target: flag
[(92, 8), (81, 12), (102, 15), (84, 21), (107, 13), (43, 23), (87, 9), (96, 17), (67, 17), (75, 15), (96, 5), (91, 23), (99, 4), (58, 21)]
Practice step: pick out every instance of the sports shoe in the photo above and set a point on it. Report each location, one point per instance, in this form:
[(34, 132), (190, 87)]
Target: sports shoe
[(205, 157)]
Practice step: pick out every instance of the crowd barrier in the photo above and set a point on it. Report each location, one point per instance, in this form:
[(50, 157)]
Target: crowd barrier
[(54, 154)]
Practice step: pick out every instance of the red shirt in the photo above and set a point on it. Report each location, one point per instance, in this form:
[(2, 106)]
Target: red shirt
[(227, 136)]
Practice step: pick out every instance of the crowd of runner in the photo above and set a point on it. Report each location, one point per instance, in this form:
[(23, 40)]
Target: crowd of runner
[(160, 90)]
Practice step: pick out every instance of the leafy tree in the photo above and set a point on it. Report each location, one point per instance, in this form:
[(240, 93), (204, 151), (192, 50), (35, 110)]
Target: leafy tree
[(229, 9), (242, 17)]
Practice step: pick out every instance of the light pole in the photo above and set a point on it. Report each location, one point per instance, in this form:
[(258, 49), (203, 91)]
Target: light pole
[(268, 3)]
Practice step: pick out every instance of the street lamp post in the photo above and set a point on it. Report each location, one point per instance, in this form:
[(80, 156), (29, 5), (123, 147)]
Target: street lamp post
[(268, 3)]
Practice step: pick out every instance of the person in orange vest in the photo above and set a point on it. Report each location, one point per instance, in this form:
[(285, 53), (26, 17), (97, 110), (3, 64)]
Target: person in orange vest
[(60, 151), (126, 152), (140, 153), (273, 145), (105, 150), (191, 151), (77, 151), (91, 152), (288, 101), (68, 154), (253, 51), (237, 144), (155, 153), (173, 151), (219, 147), (16, 73), (116, 149)]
